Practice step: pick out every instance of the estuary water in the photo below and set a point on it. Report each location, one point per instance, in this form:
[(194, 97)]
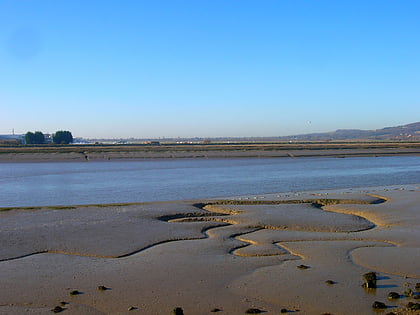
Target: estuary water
[(75, 183)]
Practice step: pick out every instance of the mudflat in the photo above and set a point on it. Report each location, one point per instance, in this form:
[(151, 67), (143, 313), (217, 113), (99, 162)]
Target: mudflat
[(297, 253), (49, 153)]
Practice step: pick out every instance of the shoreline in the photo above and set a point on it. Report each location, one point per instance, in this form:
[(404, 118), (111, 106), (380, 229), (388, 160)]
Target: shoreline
[(121, 156), (142, 152), (231, 254)]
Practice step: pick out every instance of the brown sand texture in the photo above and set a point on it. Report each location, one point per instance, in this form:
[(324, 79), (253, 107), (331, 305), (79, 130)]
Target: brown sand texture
[(272, 253)]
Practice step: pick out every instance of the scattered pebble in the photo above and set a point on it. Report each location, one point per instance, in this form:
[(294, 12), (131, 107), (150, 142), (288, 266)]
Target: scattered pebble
[(378, 305), (75, 292), (408, 292), (303, 267), (102, 288), (253, 311), (63, 303), (413, 306), (131, 308), (215, 310), (418, 286), (283, 310), (329, 282), (393, 295)]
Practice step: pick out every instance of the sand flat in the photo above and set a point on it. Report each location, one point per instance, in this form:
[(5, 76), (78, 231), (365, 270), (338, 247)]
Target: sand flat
[(201, 255)]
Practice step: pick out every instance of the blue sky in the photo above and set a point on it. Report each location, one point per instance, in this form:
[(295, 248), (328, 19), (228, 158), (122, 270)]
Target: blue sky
[(207, 68)]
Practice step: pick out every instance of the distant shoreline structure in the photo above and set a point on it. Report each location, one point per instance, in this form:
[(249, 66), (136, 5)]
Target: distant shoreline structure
[(409, 132)]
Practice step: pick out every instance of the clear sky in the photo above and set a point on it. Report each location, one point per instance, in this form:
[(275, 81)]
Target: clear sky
[(207, 68)]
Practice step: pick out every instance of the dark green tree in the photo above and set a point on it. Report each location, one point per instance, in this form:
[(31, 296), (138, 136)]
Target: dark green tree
[(34, 138), (62, 137)]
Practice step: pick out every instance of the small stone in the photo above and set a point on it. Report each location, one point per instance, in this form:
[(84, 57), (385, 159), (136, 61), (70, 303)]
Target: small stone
[(215, 310), (393, 295), (417, 286), (253, 311), (330, 282), (413, 306), (303, 267), (378, 305), (102, 288), (57, 309), (63, 303), (178, 311), (283, 310), (131, 308), (408, 292), (390, 313), (75, 292)]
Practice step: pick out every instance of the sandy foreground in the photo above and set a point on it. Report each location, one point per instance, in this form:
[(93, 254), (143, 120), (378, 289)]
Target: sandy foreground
[(215, 256)]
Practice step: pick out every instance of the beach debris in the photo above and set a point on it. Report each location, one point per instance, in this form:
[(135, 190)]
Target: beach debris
[(330, 282), (413, 306), (253, 311), (75, 292), (131, 308), (284, 310), (408, 292), (378, 305), (370, 280), (102, 288), (393, 296), (303, 267), (178, 311), (215, 310), (57, 309)]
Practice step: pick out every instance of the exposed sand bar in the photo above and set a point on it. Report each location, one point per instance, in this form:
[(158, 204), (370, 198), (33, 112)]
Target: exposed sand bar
[(111, 152), (231, 254)]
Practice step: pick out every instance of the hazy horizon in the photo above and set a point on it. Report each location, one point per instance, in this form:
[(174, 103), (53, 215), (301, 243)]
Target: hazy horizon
[(154, 69)]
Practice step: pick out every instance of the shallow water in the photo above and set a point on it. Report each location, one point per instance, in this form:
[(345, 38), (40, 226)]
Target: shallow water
[(66, 183)]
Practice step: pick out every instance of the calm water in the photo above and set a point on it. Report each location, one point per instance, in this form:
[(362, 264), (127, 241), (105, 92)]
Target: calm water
[(65, 183)]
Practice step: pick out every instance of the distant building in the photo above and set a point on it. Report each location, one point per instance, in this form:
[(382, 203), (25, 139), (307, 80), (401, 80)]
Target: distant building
[(12, 138), (152, 142)]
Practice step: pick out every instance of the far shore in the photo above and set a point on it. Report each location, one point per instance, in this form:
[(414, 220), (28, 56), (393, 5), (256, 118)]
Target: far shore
[(169, 151)]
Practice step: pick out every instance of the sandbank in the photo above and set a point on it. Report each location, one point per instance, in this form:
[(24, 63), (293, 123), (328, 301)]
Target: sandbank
[(271, 252)]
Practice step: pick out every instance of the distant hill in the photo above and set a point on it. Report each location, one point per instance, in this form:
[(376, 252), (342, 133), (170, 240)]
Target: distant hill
[(406, 132)]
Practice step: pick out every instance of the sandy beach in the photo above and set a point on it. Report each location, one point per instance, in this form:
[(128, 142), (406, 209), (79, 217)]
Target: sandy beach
[(295, 253)]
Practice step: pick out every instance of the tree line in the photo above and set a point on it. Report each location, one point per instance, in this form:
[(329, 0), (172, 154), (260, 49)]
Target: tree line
[(60, 137)]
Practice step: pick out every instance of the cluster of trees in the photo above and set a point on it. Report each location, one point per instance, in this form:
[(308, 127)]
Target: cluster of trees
[(60, 137)]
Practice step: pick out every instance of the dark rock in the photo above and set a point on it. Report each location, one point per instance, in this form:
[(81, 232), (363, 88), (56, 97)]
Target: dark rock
[(178, 311), (283, 310), (215, 310), (253, 311), (57, 309), (390, 313), (63, 303), (393, 295), (413, 306), (370, 280), (378, 305), (330, 282), (75, 292), (408, 292), (418, 286), (303, 267), (102, 288)]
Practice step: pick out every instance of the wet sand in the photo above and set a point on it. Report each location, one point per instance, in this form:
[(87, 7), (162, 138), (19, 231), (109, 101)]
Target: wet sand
[(206, 255)]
